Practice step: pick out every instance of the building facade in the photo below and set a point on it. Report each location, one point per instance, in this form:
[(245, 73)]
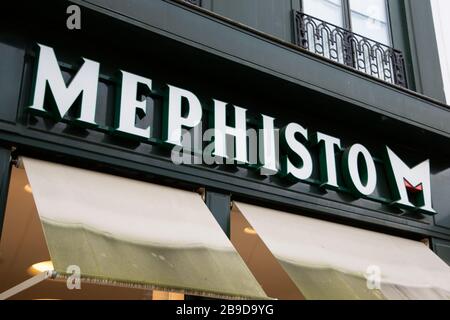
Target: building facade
[(332, 113), (440, 25)]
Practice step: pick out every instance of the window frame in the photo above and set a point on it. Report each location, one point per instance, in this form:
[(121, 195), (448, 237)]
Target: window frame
[(347, 18), (409, 33)]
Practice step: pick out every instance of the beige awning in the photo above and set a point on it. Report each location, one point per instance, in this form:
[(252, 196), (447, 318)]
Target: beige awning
[(333, 261), (123, 231)]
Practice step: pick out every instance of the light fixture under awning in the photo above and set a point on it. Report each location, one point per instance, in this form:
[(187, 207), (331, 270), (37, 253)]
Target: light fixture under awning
[(127, 232), (333, 261)]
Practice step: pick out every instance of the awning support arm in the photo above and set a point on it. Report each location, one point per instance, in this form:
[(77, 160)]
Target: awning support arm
[(27, 284)]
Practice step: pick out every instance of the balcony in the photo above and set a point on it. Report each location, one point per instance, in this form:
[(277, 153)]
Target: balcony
[(227, 50), (348, 48)]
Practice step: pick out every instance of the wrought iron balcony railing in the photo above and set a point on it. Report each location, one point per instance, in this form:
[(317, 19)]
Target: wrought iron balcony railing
[(351, 49), (195, 2)]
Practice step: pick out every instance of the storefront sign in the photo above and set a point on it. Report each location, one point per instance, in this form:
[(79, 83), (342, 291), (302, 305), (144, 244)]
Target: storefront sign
[(183, 111)]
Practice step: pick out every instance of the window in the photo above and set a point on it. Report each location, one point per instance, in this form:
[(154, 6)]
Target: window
[(368, 18), (355, 33), (328, 10), (351, 32)]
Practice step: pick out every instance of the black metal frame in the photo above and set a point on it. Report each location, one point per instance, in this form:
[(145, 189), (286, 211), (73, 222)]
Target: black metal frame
[(195, 2), (349, 48), (347, 16)]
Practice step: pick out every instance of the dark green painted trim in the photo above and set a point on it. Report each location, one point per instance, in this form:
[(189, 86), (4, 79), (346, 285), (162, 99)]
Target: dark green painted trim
[(219, 205), (296, 4), (78, 151), (424, 49), (269, 16), (442, 249), (400, 39), (247, 47), (82, 153), (5, 175), (346, 14), (207, 4)]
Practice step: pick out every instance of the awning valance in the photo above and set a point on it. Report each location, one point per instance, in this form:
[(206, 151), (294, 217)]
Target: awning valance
[(333, 261), (118, 230)]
